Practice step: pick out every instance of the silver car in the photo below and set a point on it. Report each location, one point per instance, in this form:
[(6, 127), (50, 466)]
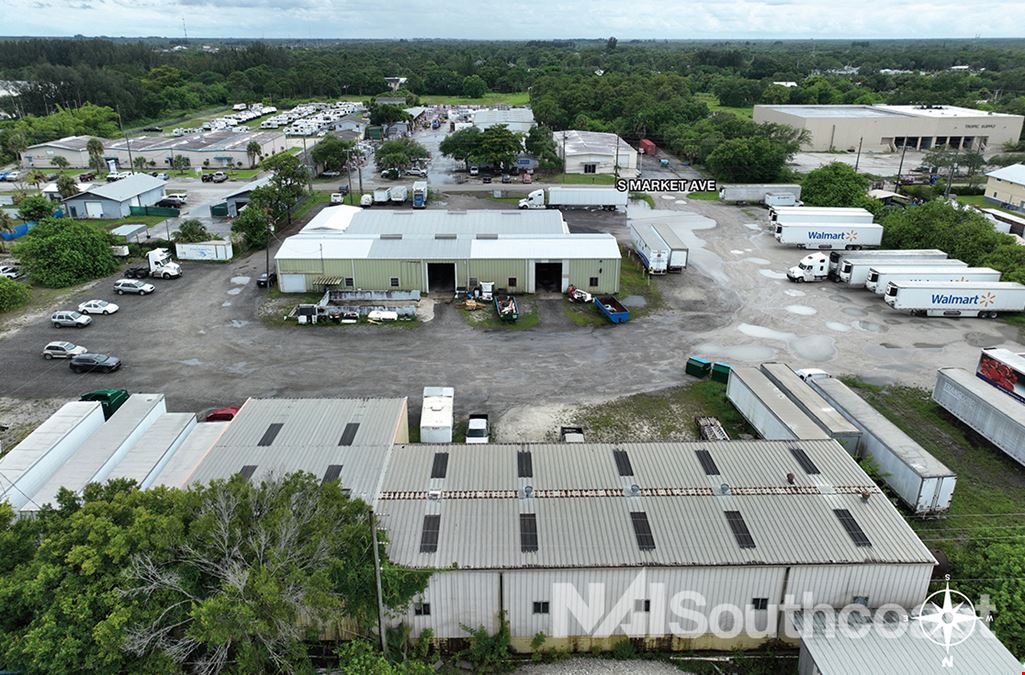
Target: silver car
[(122, 286), (62, 350), (70, 319)]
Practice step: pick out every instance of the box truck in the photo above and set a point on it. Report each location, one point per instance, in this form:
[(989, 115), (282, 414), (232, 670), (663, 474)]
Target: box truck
[(984, 409), (813, 405), (420, 194), (678, 250), (650, 248), (880, 277), (767, 409), (836, 258), (756, 192), (855, 270), (984, 299), (436, 415), (921, 481), (557, 197), (829, 235), (819, 215), (1003, 369)]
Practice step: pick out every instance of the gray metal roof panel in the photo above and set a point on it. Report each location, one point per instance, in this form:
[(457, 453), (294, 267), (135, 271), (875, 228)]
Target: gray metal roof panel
[(426, 248), (193, 451), (166, 434), (783, 408), (126, 188), (806, 398), (478, 221)]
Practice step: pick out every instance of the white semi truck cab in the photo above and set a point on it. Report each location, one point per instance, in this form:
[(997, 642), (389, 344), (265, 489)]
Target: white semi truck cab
[(161, 265), (534, 200), (813, 267)]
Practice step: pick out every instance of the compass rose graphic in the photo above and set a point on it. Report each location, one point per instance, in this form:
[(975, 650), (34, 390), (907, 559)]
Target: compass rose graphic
[(947, 624)]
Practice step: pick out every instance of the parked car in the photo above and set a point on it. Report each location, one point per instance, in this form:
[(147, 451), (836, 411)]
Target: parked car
[(219, 177), (477, 430), (86, 177), (391, 174), (366, 201), (506, 178), (225, 414), (267, 280), (97, 307), (12, 176), (474, 170), (330, 174), (162, 175), (485, 179), (94, 363), (166, 203), (155, 129), (122, 286), (62, 350), (52, 176), (207, 177), (422, 173), (115, 176), (70, 319), (343, 190), (526, 178), (140, 272), (9, 271)]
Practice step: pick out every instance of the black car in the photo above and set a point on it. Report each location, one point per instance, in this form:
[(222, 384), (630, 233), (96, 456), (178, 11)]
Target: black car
[(156, 129), (343, 190), (89, 363), (486, 179), (136, 272), (86, 177), (267, 280)]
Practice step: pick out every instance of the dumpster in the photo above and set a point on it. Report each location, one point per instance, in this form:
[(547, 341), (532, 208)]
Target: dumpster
[(721, 371), (698, 367)]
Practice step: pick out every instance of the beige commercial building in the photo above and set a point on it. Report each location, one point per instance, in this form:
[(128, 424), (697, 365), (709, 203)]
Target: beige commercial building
[(886, 128), (1005, 187), (596, 152)]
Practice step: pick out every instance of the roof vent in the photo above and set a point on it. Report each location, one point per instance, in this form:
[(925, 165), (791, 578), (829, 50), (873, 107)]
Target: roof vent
[(391, 236), (724, 489), (633, 491), (791, 478), (434, 495), (865, 494), (528, 491), (445, 235)]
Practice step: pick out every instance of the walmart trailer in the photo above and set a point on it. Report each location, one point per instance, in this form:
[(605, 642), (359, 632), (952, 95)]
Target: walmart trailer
[(814, 406), (767, 409), (994, 416), (650, 248), (921, 481)]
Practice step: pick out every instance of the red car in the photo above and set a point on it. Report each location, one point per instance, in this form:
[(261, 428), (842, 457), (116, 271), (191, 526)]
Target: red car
[(222, 414)]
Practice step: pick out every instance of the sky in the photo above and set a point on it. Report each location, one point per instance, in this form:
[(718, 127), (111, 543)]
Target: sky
[(516, 19)]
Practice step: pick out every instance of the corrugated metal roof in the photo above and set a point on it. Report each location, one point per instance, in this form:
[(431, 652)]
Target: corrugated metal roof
[(193, 451), (335, 218), (828, 417), (426, 248), (583, 511), (591, 143), (83, 466), (153, 448), (838, 650), (73, 143), (316, 248), (478, 221), (1014, 173), (308, 440), (572, 246), (782, 407), (249, 187), (126, 188)]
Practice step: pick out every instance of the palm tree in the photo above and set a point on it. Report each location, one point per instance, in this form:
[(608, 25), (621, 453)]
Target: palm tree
[(95, 149), (66, 186), (36, 177), (60, 161), (139, 163), (253, 150)]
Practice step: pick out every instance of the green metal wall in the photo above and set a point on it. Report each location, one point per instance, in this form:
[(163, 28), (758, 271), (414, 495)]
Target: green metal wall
[(607, 271), (498, 271)]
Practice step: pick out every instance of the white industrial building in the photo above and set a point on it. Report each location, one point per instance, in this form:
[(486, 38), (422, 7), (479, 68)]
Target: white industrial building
[(517, 120), (886, 128), (596, 152)]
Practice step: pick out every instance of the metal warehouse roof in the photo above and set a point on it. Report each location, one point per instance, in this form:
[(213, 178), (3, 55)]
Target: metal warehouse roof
[(828, 417), (477, 221), (193, 451), (73, 143), (335, 218), (837, 650), (279, 436), (425, 248), (211, 141), (591, 143), (154, 448), (104, 448), (124, 189), (1014, 173), (583, 505), (319, 248), (785, 410), (571, 246)]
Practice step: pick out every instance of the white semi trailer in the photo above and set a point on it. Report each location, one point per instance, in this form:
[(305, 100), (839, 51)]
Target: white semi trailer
[(819, 214), (855, 271), (650, 248), (836, 258), (880, 277), (757, 192), (984, 409), (601, 197), (768, 410), (984, 299), (829, 235)]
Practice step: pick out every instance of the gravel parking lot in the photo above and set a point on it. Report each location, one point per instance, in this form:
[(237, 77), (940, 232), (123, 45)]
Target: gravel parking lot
[(198, 339)]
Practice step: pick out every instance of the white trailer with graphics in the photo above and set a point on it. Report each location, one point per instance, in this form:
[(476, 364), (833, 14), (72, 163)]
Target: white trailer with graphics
[(855, 270), (985, 299), (880, 277), (830, 236), (987, 411), (819, 214)]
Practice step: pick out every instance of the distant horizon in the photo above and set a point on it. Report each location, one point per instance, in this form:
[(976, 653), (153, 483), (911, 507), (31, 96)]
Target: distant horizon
[(603, 38)]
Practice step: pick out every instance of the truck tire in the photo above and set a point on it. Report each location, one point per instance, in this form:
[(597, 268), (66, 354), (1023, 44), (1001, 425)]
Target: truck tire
[(167, 275)]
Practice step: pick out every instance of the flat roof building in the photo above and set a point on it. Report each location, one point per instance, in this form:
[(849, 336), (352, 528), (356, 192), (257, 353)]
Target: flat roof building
[(71, 148), (517, 120), (596, 152), (885, 128)]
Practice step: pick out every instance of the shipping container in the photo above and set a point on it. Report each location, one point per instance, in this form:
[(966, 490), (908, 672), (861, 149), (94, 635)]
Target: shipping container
[(207, 250), (650, 248), (756, 192), (880, 277), (921, 481), (854, 270), (814, 406), (647, 147), (990, 413), (1003, 369), (767, 409), (678, 250)]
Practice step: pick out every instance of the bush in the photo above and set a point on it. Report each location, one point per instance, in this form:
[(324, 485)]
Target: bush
[(624, 650), (835, 184), (12, 295), (488, 653), (61, 252)]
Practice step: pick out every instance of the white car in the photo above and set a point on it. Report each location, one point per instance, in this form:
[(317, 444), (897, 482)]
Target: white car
[(366, 200), (122, 286), (97, 307), (9, 271), (62, 350)]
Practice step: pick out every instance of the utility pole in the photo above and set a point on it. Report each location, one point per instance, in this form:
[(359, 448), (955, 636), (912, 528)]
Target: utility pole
[(857, 160), (904, 149), (128, 145), (950, 176), (377, 581)]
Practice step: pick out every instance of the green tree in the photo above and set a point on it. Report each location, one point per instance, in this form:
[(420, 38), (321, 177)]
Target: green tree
[(253, 152), (60, 252), (461, 144), (139, 163), (180, 163), (60, 161), (963, 234), (6, 227), (1009, 259), (474, 86), (387, 114), (399, 153), (287, 186), (191, 231), (332, 153), (835, 184), (358, 657), (610, 44), (12, 294), (94, 147), (497, 146), (66, 186), (541, 145), (252, 227), (747, 160), (35, 207)]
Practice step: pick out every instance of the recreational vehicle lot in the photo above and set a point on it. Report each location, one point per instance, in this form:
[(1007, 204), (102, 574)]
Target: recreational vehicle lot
[(201, 334)]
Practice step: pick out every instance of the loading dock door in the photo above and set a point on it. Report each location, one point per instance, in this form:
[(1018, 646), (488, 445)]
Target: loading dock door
[(441, 277), (548, 276)]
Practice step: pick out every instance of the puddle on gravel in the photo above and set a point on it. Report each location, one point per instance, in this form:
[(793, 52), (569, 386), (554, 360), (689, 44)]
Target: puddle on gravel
[(669, 197), (749, 353), (794, 293), (927, 345), (191, 362), (234, 291), (689, 224), (837, 326), (238, 323), (753, 226), (681, 201), (870, 327), (240, 281), (736, 252), (763, 332), (756, 261), (801, 310), (226, 303), (772, 275), (854, 311), (634, 301), (814, 347)]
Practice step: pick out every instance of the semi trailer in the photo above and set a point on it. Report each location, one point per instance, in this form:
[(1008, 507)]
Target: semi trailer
[(836, 258), (678, 250), (768, 410), (819, 214), (880, 277), (985, 299), (981, 407), (847, 236), (855, 270), (757, 192), (1003, 369), (606, 198), (650, 248)]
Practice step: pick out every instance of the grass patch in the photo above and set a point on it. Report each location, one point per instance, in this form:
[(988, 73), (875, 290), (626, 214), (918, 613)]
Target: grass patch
[(509, 98), (712, 101), (505, 200), (585, 314), (708, 195), (980, 202), (314, 198), (579, 179), (488, 319), (633, 281), (643, 197), (666, 415)]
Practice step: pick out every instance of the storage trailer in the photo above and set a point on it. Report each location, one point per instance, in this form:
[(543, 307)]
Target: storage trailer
[(987, 411), (559, 197), (820, 215), (756, 192), (650, 248), (420, 194), (180, 467), (847, 236), (921, 481), (1003, 369), (436, 415), (678, 250), (880, 277), (813, 405), (155, 449), (854, 271), (768, 410), (986, 299), (836, 258)]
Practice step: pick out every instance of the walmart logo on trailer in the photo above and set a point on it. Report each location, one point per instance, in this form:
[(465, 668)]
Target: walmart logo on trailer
[(944, 299), (834, 236)]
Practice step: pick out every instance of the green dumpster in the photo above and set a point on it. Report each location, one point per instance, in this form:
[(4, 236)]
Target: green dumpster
[(721, 371), (698, 367), (109, 399)]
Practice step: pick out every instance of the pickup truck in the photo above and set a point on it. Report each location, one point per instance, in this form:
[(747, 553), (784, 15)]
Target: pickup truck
[(477, 430), (612, 309)]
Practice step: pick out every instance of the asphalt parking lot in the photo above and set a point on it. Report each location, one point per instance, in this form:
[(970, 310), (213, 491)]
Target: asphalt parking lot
[(199, 340)]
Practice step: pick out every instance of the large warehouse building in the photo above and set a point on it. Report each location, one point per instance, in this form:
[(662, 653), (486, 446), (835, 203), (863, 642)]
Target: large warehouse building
[(885, 128), (596, 152), (431, 251)]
